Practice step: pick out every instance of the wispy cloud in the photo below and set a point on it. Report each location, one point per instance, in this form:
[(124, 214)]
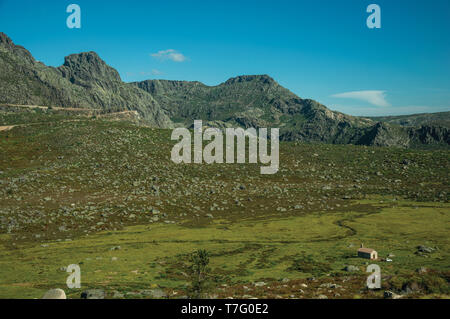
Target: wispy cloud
[(157, 72), (169, 54), (377, 98), (359, 110)]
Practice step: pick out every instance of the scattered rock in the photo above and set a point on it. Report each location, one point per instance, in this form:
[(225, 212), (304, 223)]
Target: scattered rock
[(351, 268), (93, 294), (390, 295), (156, 293), (425, 249), (422, 270), (411, 287), (329, 285), (259, 284), (118, 295)]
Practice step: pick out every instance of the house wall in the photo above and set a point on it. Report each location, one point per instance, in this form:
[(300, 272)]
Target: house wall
[(364, 255)]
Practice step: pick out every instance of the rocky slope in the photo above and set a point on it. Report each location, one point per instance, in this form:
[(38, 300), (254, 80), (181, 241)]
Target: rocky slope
[(247, 101), (254, 101)]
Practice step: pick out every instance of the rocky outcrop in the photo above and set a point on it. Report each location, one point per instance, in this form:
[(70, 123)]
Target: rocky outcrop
[(382, 134), (430, 135), (86, 68)]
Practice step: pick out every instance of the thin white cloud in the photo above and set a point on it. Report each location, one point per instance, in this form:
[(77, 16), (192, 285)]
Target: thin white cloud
[(377, 98), (359, 110), (157, 72), (169, 54)]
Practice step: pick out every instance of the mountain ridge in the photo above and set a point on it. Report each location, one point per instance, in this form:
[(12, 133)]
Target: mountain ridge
[(84, 81), (301, 119)]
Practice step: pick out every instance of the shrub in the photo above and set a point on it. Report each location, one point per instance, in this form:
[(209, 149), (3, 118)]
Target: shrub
[(307, 264), (199, 272)]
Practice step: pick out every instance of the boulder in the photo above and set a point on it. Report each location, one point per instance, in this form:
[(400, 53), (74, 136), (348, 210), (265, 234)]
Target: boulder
[(351, 268), (55, 294), (390, 295), (422, 270)]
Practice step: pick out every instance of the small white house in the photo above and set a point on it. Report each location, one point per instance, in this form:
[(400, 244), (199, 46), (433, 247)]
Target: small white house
[(367, 253)]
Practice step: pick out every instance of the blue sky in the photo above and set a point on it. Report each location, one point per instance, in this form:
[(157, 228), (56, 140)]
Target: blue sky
[(318, 49)]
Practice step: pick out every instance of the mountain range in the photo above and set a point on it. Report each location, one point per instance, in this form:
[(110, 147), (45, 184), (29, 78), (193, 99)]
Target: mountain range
[(86, 81)]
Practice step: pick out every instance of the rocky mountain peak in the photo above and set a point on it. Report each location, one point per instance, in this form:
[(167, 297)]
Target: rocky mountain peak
[(263, 78), (83, 58), (5, 40), (6, 44), (87, 66)]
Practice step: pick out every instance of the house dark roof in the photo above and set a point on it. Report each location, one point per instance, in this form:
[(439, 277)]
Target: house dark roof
[(366, 250)]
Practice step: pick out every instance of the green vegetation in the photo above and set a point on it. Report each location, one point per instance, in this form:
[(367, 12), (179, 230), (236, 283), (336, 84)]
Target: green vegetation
[(241, 253)]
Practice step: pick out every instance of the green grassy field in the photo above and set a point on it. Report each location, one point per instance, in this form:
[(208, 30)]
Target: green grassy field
[(72, 191)]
